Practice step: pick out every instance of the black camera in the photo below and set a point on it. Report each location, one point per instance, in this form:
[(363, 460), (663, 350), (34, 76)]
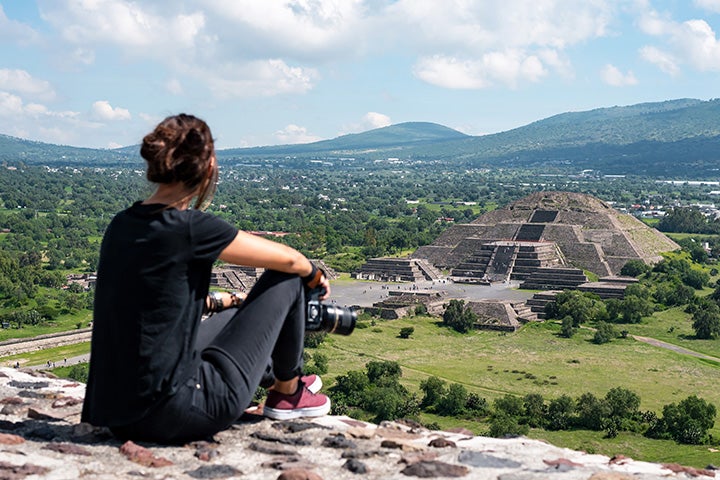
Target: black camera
[(328, 318)]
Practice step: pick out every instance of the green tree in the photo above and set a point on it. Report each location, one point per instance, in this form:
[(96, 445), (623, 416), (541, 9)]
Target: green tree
[(380, 372), (510, 404), (433, 390), (503, 425), (623, 403), (535, 410), (319, 365), (634, 268), (459, 318), (452, 403), (706, 321), (560, 413), (581, 306), (604, 333), (633, 308), (591, 412), (686, 422), (79, 372)]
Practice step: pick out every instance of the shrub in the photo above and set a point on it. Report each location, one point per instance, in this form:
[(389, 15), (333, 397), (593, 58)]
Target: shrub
[(634, 268), (433, 390), (568, 329), (405, 332), (534, 410), (604, 333), (503, 425), (687, 422), (314, 339), (79, 372), (560, 413), (476, 405), (319, 366), (453, 401)]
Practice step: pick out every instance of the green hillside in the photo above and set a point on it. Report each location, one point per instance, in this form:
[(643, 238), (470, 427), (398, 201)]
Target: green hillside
[(678, 138), (417, 134)]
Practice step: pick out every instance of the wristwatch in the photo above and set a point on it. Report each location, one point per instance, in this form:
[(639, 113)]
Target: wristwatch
[(235, 299)]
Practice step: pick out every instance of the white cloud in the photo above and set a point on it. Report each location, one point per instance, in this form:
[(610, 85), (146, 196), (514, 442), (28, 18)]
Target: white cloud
[(36, 121), (611, 75), (472, 45), (711, 5), (692, 42), (20, 81), (369, 121), (459, 25), (259, 78), (376, 120), (295, 134), (508, 68), (15, 31), (663, 60), (103, 111), (298, 28), (242, 48), (174, 86), (697, 41), (123, 23), (83, 56), (10, 104)]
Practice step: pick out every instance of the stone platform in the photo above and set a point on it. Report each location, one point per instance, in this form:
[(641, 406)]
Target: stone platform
[(41, 438)]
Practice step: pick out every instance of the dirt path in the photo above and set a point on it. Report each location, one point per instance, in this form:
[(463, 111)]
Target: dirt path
[(674, 348)]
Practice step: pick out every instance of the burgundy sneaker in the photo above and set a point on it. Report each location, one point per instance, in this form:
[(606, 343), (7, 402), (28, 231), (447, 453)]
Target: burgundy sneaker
[(303, 403), (312, 382)]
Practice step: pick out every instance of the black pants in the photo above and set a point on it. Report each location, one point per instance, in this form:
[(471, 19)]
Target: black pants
[(236, 347)]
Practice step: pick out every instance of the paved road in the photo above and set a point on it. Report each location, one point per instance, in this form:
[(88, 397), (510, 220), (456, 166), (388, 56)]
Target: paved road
[(366, 293)]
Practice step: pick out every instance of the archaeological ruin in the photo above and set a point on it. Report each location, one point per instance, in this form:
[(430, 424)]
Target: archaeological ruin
[(547, 241)]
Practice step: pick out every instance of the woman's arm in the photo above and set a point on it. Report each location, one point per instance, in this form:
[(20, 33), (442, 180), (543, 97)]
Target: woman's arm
[(254, 251)]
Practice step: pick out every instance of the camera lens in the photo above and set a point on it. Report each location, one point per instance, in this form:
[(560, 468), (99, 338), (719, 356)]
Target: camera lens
[(338, 320)]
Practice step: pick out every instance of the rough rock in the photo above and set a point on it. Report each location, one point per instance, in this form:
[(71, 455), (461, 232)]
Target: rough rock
[(43, 438)]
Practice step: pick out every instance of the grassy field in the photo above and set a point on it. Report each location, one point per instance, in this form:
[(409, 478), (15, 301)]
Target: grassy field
[(63, 324), (536, 360)]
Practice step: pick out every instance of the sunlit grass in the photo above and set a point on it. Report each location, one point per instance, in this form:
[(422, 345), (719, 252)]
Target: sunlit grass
[(536, 360), (41, 357)]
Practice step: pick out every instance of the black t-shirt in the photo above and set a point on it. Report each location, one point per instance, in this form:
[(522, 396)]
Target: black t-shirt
[(153, 277)]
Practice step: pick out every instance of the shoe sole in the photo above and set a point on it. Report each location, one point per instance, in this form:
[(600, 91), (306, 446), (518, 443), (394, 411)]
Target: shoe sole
[(280, 414)]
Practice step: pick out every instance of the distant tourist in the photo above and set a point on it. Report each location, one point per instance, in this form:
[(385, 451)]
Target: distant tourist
[(157, 373)]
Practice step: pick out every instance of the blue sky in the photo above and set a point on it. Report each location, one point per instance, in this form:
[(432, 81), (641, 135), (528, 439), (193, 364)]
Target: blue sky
[(102, 73)]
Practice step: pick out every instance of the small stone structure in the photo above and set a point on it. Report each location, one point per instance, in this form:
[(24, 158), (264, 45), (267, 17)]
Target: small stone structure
[(400, 304), (495, 315), (388, 269)]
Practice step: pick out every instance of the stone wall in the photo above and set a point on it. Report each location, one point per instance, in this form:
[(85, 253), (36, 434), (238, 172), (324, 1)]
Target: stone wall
[(41, 438)]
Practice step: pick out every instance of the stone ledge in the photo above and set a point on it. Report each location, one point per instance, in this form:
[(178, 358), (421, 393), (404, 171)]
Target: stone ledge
[(40, 437)]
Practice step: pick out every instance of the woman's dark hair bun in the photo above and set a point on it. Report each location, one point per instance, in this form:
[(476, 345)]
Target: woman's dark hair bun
[(180, 149), (194, 142)]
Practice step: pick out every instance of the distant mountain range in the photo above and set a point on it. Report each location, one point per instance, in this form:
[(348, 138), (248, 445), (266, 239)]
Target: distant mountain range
[(679, 138)]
